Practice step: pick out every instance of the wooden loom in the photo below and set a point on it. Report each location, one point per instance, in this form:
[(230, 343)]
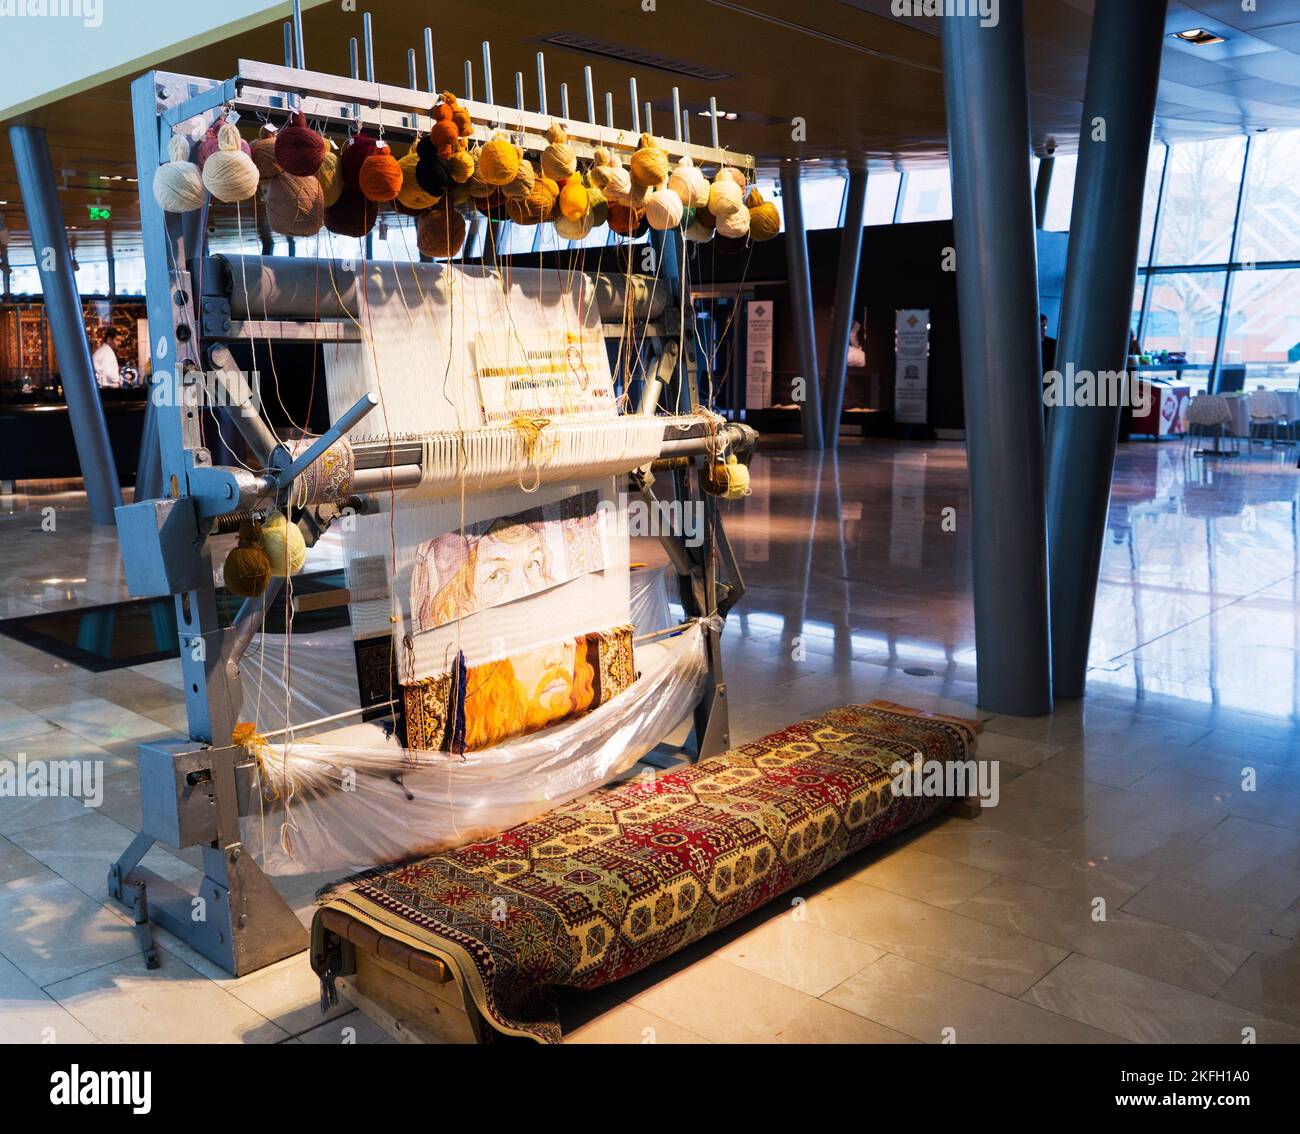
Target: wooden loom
[(194, 792)]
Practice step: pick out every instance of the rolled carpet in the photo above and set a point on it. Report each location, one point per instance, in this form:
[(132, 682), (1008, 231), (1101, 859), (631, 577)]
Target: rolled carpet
[(631, 873)]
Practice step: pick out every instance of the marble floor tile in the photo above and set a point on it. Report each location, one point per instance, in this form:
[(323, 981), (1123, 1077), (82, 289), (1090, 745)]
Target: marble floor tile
[(630, 1023), (1268, 983), (50, 930), (934, 1007), (789, 949), (1263, 839), (28, 1015), (1070, 921), (287, 993), (1148, 1011), (703, 999), (349, 1028), (123, 1002), (913, 873), (937, 938), (1174, 901), (16, 862)]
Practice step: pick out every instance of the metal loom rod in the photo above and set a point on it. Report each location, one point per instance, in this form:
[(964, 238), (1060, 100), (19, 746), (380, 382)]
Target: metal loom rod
[(636, 110), (368, 34), (541, 82), (591, 95), (487, 73), (428, 61)]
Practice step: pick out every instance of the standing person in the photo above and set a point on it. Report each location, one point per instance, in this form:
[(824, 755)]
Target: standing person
[(1048, 346), (108, 374)]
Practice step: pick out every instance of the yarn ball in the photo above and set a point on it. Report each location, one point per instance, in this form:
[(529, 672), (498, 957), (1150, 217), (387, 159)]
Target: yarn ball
[(498, 162), (730, 245), (247, 569), (649, 165), (690, 184), (536, 206), (570, 229), (663, 209), (380, 177), (351, 214), (725, 197), (461, 164), (493, 206), (177, 184), (477, 187), (464, 124), (212, 143), (285, 549), (734, 224), (731, 173), (625, 220), (444, 133), (524, 181), (330, 177), (764, 219), (262, 152), (295, 205), (298, 148), (696, 231), (440, 232), (597, 207), (432, 170), (558, 160), (706, 219), (618, 185), (229, 174), (411, 196), (573, 198), (352, 158)]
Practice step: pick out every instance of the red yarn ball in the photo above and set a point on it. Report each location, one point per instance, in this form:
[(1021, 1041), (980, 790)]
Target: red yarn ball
[(298, 148), (350, 161), (351, 215)]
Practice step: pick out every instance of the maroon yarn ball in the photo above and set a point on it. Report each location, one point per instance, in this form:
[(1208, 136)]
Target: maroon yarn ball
[(298, 148), (351, 215), (351, 159)]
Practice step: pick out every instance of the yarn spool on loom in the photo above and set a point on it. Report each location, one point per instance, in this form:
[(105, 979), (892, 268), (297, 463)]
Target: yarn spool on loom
[(330, 177), (283, 545), (178, 184), (380, 177), (295, 205), (247, 569), (229, 174), (298, 148)]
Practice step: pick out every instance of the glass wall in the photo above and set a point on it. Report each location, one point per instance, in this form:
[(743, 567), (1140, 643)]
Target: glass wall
[(1219, 275)]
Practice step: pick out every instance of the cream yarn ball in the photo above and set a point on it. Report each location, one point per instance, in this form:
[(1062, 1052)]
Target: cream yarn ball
[(177, 184), (524, 181), (558, 160), (735, 224), (690, 184), (571, 229), (699, 233), (618, 184), (725, 197), (229, 174), (663, 209)]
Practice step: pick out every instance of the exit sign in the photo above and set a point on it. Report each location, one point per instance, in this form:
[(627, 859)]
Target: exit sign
[(100, 212)]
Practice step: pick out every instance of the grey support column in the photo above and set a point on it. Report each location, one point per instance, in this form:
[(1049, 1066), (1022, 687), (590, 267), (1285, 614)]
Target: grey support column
[(1043, 186), (986, 96), (800, 290), (67, 326), (846, 286), (1119, 98)]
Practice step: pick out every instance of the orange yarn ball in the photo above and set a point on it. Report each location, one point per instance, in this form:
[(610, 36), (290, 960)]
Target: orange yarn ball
[(440, 232), (380, 178), (444, 132)]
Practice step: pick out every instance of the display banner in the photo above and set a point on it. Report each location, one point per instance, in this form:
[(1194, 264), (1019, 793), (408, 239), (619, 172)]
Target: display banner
[(758, 354), (911, 365)]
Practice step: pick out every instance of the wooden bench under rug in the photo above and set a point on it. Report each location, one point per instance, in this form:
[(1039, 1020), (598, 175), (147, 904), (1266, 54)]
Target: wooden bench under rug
[(466, 943)]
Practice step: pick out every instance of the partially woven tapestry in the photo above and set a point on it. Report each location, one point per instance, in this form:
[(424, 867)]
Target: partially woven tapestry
[(472, 707), (622, 877)]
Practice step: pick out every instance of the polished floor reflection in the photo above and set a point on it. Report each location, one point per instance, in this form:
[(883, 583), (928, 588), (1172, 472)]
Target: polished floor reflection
[(1138, 879)]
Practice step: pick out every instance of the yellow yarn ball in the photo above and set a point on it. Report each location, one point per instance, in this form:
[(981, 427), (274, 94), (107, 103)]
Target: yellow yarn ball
[(573, 198), (283, 544), (764, 219), (649, 164), (498, 162), (462, 166), (412, 196), (330, 178), (247, 569)]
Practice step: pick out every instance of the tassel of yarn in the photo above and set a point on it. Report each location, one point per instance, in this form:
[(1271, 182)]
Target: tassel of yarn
[(536, 448)]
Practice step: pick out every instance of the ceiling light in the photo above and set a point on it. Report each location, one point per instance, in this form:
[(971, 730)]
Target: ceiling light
[(1198, 37)]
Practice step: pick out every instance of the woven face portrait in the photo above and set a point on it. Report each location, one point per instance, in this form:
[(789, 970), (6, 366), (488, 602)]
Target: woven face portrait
[(498, 561)]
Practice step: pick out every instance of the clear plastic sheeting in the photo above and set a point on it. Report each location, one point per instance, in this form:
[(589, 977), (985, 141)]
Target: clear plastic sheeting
[(350, 797), (353, 798)]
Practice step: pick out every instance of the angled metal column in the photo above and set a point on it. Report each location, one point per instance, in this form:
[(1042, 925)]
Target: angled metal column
[(796, 254), (846, 286), (1119, 98), (986, 96), (1043, 186), (67, 325)]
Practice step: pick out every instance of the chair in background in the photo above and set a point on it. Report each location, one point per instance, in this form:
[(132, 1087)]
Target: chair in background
[(1266, 413), (1208, 415)]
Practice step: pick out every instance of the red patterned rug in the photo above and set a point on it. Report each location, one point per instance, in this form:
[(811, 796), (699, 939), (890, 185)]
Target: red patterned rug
[(629, 874)]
